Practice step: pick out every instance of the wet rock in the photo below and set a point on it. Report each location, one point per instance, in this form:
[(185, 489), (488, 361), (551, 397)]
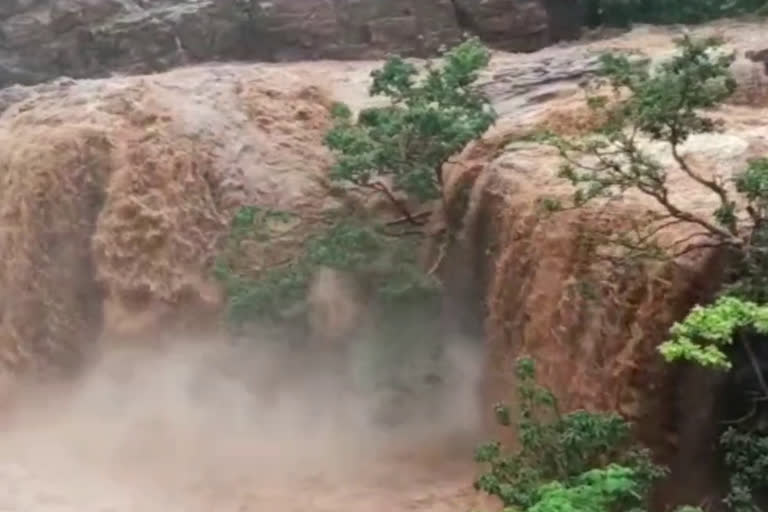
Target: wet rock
[(513, 25), (43, 39)]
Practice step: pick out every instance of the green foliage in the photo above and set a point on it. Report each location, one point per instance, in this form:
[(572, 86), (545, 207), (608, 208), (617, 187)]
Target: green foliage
[(349, 245), (624, 12), (751, 278), (666, 104), (747, 460), (669, 104), (429, 117), (753, 183), (578, 461), (706, 331), (598, 490), (276, 287)]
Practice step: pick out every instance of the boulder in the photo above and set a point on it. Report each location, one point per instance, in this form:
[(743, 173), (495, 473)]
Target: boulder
[(512, 25)]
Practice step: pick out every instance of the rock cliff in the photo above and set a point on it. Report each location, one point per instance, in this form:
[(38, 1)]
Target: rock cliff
[(592, 327), (43, 39)]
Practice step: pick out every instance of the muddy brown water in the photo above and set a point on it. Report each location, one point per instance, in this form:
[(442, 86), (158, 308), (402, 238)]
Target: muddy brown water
[(173, 432)]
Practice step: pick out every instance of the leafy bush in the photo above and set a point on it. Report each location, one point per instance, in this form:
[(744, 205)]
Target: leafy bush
[(598, 490), (748, 464), (429, 117), (575, 461), (355, 246), (707, 331)]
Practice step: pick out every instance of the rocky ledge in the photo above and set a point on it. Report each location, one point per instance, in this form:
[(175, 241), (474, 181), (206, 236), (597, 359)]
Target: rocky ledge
[(42, 39)]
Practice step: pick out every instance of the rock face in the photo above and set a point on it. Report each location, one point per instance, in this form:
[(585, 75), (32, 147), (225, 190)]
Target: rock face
[(43, 39), (593, 328), (523, 25)]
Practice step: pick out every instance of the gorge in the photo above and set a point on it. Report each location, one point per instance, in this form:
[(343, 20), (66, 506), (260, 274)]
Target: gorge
[(124, 156)]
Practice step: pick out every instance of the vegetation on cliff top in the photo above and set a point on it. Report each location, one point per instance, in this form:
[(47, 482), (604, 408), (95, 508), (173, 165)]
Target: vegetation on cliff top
[(626, 12), (430, 116), (669, 104)]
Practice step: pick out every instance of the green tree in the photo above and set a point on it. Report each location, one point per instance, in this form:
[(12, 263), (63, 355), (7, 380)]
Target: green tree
[(430, 116), (668, 105)]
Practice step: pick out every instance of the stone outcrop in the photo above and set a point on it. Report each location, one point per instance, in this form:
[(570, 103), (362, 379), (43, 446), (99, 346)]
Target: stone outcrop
[(593, 327), (43, 39), (523, 25)]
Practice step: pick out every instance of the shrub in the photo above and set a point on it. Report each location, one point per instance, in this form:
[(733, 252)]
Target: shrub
[(575, 461)]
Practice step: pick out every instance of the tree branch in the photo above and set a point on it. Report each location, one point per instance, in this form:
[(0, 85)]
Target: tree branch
[(419, 215), (662, 198), (380, 187), (702, 246), (710, 184)]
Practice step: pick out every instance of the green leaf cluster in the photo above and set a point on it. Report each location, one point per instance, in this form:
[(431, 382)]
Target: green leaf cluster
[(747, 461), (613, 487), (429, 117), (575, 461), (350, 245), (706, 331)]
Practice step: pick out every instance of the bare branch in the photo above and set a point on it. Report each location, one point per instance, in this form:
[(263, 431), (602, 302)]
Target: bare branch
[(702, 246), (419, 215), (710, 184), (381, 187), (689, 238), (663, 200)]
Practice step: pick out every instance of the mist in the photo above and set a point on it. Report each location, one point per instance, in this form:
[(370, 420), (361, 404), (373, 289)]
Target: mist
[(202, 424)]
